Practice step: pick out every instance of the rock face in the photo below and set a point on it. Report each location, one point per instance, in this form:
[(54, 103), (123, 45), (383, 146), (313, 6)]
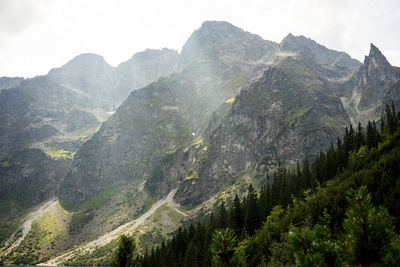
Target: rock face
[(56, 113), (317, 53), (144, 68), (34, 113), (29, 177), (134, 139), (90, 76), (231, 102), (279, 117), (159, 119), (290, 108), (8, 82), (367, 91), (375, 78), (223, 43)]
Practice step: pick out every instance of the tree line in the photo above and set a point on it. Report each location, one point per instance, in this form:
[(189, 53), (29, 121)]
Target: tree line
[(331, 212)]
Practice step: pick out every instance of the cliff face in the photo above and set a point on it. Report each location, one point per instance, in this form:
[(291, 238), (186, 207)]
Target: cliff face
[(375, 78), (167, 115), (277, 118), (229, 104), (368, 89), (49, 117)]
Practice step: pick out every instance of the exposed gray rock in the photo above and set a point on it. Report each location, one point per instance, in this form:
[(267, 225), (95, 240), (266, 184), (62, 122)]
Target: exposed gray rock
[(8, 82)]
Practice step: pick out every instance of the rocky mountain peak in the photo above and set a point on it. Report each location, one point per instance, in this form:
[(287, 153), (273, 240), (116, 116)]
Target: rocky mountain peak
[(295, 43), (311, 50), (150, 54), (375, 57), (219, 40), (83, 61)]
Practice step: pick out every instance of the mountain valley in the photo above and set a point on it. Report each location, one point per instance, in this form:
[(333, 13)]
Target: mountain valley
[(89, 151)]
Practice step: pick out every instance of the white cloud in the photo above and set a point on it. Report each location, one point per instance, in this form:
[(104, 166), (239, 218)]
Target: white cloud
[(38, 35)]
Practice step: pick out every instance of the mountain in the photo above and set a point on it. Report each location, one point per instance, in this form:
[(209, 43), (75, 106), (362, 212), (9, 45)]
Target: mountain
[(223, 43), (88, 75), (39, 125), (44, 120), (192, 129), (8, 82), (317, 53), (276, 118), (366, 92), (159, 119), (143, 68)]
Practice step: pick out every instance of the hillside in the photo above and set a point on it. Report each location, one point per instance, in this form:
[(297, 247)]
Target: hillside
[(343, 209), (160, 140)]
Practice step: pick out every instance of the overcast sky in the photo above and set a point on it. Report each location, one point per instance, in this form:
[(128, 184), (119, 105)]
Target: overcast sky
[(37, 35)]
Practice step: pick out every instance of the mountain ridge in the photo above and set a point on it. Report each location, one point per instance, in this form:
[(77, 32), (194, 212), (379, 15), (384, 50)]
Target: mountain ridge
[(229, 105)]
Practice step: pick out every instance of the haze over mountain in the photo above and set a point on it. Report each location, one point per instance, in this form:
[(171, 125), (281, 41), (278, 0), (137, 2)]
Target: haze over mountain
[(188, 130)]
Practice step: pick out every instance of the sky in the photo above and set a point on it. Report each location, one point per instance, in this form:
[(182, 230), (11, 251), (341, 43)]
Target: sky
[(37, 35)]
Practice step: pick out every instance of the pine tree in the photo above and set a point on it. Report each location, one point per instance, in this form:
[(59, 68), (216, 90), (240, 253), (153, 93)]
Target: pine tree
[(341, 156), (359, 138), (371, 135), (223, 216), (124, 255), (237, 215), (307, 178), (368, 230), (252, 221), (224, 249)]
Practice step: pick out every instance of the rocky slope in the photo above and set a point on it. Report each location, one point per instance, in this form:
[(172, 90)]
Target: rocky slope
[(8, 82), (231, 105), (163, 117), (144, 68), (56, 113), (282, 116), (369, 89)]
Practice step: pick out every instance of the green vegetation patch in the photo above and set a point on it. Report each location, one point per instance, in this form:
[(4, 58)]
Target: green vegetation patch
[(198, 143), (230, 100), (46, 233), (191, 177), (300, 114), (98, 201), (58, 153)]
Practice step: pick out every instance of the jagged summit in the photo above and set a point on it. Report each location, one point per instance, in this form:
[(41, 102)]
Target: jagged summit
[(220, 40), (377, 56), (308, 48), (203, 124)]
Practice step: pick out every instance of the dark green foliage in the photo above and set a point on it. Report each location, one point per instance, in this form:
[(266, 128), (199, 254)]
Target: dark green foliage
[(252, 221), (237, 215), (368, 230), (124, 255), (314, 247), (308, 220), (224, 249)]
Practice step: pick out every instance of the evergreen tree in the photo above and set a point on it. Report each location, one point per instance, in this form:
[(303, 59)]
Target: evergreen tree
[(341, 156), (371, 135), (237, 215), (359, 139), (224, 249), (368, 230), (252, 221), (306, 173), (223, 216), (124, 255)]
